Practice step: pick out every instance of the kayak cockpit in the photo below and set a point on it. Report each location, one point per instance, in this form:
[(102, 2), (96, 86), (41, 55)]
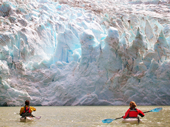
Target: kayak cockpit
[(26, 119), (132, 120)]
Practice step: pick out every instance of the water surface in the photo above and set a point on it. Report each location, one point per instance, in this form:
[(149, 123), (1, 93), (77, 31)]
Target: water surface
[(82, 116)]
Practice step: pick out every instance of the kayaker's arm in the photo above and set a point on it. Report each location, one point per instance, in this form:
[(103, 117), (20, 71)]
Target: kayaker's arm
[(126, 114), (141, 113), (32, 108), (21, 110)]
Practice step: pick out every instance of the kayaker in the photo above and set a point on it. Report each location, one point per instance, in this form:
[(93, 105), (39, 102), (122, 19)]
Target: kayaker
[(133, 112), (27, 110)]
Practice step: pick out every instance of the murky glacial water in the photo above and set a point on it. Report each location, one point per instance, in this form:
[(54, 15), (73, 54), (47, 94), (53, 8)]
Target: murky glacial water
[(83, 116)]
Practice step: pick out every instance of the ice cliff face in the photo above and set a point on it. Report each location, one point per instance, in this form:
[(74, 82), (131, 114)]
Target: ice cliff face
[(54, 53)]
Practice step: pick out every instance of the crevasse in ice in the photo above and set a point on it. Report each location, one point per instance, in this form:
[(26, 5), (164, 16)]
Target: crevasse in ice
[(85, 52)]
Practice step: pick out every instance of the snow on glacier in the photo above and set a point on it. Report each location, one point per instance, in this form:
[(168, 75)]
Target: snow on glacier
[(84, 52)]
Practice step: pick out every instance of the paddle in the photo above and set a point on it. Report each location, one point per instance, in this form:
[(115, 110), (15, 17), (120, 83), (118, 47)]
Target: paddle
[(154, 110), (110, 120), (37, 117)]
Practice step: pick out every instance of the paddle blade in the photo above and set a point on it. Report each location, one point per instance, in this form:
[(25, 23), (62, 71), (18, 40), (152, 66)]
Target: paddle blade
[(156, 110), (107, 120), (37, 117)]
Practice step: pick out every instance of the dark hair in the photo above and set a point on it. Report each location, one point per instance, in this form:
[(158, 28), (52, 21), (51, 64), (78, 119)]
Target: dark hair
[(27, 102)]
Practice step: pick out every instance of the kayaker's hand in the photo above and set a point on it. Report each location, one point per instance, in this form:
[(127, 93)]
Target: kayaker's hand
[(33, 110)]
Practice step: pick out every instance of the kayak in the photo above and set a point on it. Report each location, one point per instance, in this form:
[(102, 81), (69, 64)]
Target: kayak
[(131, 120), (27, 119)]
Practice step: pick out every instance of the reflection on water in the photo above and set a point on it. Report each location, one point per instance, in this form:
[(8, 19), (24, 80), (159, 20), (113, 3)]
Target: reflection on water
[(83, 116)]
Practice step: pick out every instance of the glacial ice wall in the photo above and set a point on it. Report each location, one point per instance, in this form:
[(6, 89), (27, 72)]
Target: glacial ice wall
[(84, 53)]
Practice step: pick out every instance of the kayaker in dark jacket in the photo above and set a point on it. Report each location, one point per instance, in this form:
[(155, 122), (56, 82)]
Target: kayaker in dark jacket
[(133, 112), (27, 110)]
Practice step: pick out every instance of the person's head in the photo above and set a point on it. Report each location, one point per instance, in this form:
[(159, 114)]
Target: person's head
[(132, 104), (27, 102)]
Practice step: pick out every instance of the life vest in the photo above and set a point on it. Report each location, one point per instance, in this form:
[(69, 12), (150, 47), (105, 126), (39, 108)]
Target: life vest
[(27, 110), (133, 112)]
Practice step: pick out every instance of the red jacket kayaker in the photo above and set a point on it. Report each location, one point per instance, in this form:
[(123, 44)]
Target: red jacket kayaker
[(133, 112)]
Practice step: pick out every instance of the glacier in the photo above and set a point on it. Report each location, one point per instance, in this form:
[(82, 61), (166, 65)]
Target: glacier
[(71, 52)]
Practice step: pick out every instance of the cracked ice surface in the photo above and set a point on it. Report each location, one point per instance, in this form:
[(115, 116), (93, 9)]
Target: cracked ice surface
[(84, 52)]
